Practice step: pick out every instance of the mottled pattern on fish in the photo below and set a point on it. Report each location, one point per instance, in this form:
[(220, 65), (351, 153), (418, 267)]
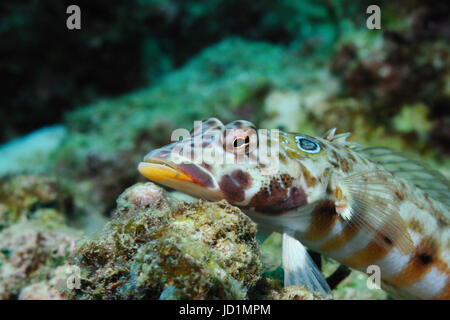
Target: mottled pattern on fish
[(337, 198)]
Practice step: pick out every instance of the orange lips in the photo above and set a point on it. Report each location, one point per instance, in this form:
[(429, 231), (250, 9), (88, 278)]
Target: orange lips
[(187, 178), (162, 173)]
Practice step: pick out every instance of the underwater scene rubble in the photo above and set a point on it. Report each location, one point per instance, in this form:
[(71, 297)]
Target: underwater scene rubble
[(72, 201)]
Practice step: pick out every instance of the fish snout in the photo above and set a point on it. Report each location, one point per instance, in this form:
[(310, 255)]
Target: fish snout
[(161, 153), (166, 167)]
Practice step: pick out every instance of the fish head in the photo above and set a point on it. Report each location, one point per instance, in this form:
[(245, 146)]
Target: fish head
[(269, 171)]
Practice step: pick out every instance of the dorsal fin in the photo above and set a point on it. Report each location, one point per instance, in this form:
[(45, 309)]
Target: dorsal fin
[(409, 168), (329, 135), (340, 138)]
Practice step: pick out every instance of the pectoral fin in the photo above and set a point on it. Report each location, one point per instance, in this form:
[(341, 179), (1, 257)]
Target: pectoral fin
[(300, 269), (367, 202)]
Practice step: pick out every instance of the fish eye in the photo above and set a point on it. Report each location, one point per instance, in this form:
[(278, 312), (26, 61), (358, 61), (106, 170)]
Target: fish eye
[(307, 145), (241, 142)]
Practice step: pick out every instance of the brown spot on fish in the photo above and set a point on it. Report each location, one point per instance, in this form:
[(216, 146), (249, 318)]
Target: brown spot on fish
[(351, 157), (442, 222), (345, 165), (335, 155), (334, 164), (419, 265), (232, 191), (269, 196), (310, 180), (425, 258), (296, 199), (415, 225), (260, 198), (277, 201), (387, 240), (282, 157), (242, 178), (324, 217), (400, 195), (276, 188), (286, 179)]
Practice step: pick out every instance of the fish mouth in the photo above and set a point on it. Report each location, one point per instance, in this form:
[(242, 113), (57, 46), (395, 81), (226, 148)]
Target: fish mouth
[(160, 171), (185, 177)]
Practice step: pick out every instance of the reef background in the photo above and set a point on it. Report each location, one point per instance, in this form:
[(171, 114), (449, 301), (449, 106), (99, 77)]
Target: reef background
[(79, 109)]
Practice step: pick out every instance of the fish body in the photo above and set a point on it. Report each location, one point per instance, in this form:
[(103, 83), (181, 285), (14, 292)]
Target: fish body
[(361, 207)]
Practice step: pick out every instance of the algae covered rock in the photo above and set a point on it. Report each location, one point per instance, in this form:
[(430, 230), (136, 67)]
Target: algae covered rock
[(299, 293), (51, 288), (269, 287), (22, 195), (31, 250), (157, 247), (35, 238)]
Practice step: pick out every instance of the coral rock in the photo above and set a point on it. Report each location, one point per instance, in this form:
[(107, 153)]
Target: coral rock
[(30, 251), (22, 195), (157, 247)]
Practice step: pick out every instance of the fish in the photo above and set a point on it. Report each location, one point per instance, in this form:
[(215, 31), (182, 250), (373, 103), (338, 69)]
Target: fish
[(361, 206)]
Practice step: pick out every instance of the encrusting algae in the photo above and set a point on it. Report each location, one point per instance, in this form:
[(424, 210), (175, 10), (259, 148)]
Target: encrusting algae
[(33, 253), (35, 239), (157, 247), (22, 195)]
